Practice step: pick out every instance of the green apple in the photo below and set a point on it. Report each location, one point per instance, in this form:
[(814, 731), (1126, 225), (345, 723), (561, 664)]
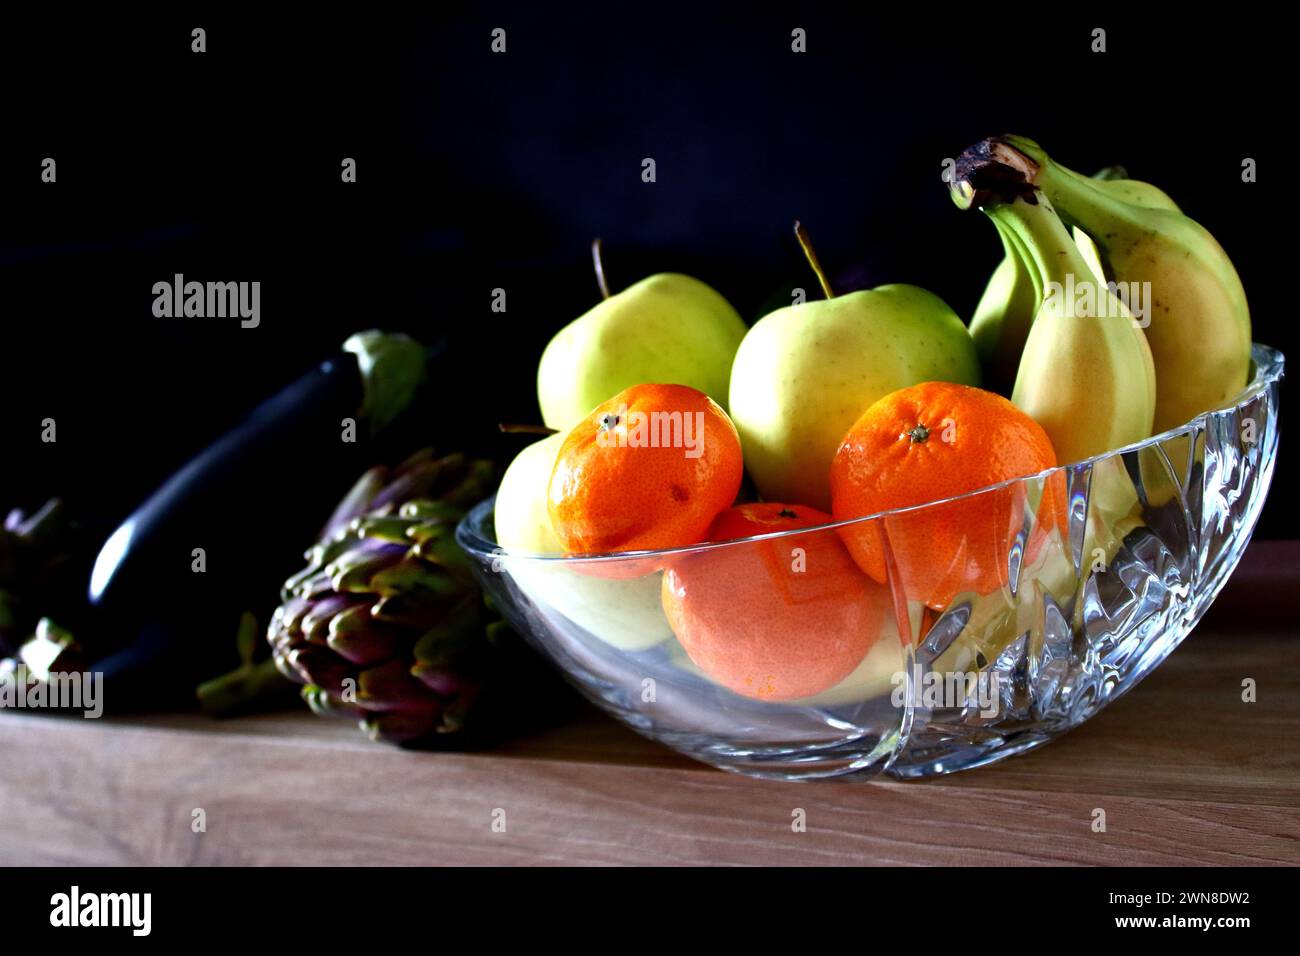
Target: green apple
[(522, 521), (626, 614), (805, 373), (667, 328)]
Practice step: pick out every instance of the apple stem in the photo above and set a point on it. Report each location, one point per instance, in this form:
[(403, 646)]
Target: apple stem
[(801, 234), (599, 265), (515, 428)]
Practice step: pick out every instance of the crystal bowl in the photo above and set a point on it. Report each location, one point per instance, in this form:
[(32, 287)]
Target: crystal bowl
[(1096, 572)]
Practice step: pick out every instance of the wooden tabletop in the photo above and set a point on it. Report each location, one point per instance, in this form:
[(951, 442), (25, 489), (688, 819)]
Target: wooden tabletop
[(1185, 771)]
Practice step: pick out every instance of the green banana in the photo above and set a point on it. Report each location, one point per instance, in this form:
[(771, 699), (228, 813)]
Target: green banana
[(1001, 320), (1199, 321), (1086, 373), (1114, 180)]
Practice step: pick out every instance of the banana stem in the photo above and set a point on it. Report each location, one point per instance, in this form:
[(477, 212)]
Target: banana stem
[(999, 176), (1039, 232), (1076, 197), (810, 254)]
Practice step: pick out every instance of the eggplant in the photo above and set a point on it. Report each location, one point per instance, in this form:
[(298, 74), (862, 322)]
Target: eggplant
[(165, 614)]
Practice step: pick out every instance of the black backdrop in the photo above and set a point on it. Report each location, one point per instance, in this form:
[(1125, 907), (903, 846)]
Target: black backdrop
[(478, 171)]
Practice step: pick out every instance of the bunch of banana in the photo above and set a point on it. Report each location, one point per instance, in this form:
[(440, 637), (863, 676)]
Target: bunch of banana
[(1001, 321), (1086, 372), (1199, 322)]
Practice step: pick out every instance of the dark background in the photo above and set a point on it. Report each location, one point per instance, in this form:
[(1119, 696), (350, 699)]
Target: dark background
[(479, 171)]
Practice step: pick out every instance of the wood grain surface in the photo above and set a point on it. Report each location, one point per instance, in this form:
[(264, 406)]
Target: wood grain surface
[(1186, 772)]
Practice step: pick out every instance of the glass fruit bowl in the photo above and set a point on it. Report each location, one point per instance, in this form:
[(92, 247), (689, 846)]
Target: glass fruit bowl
[(779, 662)]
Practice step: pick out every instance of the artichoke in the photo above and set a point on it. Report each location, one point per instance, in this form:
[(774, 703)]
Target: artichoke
[(386, 623)]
